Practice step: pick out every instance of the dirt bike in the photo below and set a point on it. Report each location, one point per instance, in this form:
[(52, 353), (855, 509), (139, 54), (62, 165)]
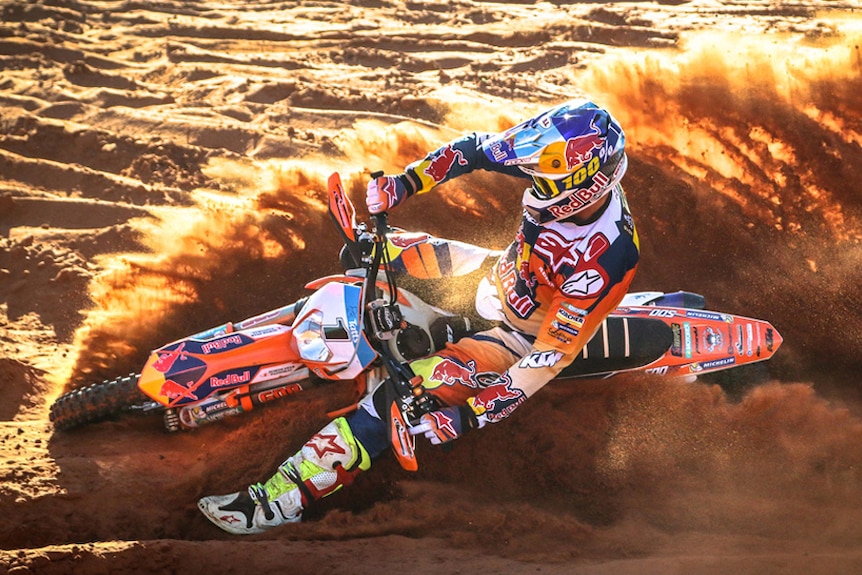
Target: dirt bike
[(360, 327)]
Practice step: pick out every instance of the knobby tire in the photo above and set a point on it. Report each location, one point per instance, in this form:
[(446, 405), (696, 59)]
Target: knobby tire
[(96, 402)]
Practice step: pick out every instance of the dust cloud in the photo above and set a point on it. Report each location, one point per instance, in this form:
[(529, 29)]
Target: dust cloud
[(745, 157)]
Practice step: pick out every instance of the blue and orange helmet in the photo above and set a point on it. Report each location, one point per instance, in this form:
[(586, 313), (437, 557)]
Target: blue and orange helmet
[(575, 153)]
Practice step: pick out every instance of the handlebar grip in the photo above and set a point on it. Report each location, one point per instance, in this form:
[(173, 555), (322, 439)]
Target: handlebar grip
[(381, 223)]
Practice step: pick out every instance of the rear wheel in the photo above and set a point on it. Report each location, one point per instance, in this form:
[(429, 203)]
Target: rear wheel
[(97, 402)]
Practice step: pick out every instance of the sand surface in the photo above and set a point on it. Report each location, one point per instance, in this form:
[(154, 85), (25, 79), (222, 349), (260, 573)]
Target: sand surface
[(162, 169)]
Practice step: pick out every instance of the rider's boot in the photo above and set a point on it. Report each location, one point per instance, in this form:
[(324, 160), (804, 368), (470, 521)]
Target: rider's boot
[(328, 461)]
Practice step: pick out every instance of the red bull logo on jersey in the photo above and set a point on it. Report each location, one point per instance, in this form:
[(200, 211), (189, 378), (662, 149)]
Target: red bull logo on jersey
[(451, 372), (440, 165)]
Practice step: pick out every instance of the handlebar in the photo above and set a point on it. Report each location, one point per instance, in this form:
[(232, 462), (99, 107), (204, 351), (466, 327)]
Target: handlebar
[(402, 391)]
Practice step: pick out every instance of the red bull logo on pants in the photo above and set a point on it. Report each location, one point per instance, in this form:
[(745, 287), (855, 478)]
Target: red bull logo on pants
[(451, 372), (496, 402)]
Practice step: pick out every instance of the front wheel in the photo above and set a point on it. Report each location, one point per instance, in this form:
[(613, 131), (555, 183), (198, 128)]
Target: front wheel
[(96, 402)]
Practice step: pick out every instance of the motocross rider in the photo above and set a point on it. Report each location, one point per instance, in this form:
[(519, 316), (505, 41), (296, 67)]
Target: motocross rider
[(571, 262)]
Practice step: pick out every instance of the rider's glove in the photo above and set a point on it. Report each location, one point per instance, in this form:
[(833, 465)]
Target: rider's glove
[(385, 193), (447, 424)]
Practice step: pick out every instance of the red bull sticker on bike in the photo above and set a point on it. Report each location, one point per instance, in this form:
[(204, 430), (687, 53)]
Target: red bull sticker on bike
[(229, 379), (167, 357), (221, 344), (176, 392), (218, 345), (177, 365)]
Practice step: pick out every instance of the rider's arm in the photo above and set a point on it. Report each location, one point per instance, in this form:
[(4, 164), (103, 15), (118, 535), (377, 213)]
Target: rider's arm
[(451, 160), (454, 159)]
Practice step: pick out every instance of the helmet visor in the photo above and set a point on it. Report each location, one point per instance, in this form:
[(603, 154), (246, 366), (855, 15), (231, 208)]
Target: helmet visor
[(546, 188)]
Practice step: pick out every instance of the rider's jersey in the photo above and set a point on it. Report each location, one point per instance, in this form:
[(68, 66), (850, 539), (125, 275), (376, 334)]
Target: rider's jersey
[(557, 281)]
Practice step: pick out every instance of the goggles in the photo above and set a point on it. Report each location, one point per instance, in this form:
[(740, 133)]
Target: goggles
[(546, 188)]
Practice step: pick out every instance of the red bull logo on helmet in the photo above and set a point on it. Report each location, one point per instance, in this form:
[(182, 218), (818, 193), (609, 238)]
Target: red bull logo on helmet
[(579, 150)]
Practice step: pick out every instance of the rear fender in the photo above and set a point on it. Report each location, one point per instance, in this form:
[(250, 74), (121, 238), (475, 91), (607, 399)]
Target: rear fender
[(676, 342), (192, 369)]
